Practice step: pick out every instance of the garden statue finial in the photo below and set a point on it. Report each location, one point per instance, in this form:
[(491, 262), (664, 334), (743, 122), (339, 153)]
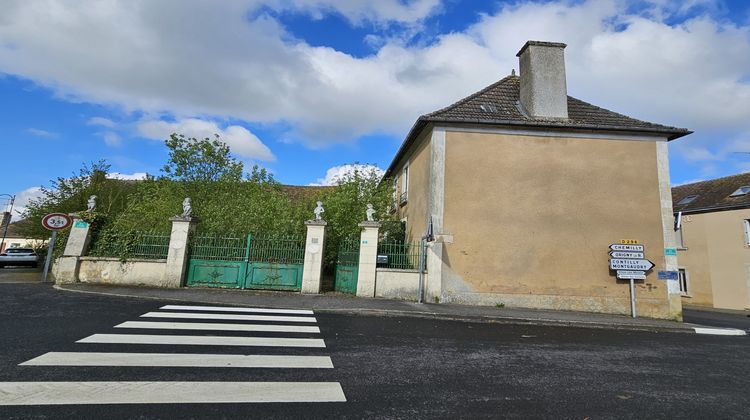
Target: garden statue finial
[(370, 213), (91, 205), (319, 210), (187, 207)]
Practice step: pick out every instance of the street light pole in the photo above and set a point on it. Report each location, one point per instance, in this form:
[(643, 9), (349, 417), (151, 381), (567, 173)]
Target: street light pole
[(7, 223)]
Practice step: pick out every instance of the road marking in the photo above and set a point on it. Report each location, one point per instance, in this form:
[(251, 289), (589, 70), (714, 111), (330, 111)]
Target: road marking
[(200, 340), (237, 309), (180, 360), (57, 393), (719, 331), (218, 327), (187, 315)]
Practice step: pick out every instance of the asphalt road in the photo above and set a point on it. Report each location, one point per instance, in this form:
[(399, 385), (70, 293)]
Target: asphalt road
[(392, 367)]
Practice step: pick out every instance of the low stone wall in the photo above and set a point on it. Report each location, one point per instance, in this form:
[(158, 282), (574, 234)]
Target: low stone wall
[(397, 284), (134, 272)]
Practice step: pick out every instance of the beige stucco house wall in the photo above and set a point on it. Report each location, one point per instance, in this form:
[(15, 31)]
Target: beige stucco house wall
[(525, 206), (716, 259)]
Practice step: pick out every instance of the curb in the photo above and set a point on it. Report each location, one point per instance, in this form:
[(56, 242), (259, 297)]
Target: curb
[(453, 317)]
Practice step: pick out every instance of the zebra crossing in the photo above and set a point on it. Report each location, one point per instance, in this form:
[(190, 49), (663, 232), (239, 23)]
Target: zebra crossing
[(173, 327)]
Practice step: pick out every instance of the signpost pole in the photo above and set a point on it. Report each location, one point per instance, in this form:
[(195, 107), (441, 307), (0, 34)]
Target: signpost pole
[(632, 297), (48, 260)]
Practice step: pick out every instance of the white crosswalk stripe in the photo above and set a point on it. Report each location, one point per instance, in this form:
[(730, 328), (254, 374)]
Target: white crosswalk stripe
[(149, 392), (202, 340), (189, 315), (211, 326), (48, 393), (229, 309), (179, 360)]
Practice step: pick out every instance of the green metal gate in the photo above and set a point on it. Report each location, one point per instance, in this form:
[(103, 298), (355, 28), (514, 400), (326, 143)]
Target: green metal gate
[(275, 262), (347, 266), (246, 261)]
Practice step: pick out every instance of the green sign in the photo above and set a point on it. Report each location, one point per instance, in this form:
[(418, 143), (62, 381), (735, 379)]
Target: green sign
[(670, 252), (81, 224)]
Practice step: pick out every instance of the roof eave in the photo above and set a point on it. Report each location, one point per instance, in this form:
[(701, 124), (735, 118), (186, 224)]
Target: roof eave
[(712, 209)]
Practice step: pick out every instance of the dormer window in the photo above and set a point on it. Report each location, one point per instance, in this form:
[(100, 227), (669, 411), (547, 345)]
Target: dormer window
[(687, 200), (741, 191)]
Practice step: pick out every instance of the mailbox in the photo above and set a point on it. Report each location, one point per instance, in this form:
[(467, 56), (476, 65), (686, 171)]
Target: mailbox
[(382, 259)]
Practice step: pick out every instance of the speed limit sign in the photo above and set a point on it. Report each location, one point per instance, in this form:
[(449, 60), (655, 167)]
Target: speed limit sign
[(56, 221)]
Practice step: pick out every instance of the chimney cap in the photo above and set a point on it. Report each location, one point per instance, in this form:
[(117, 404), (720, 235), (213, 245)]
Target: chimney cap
[(540, 44)]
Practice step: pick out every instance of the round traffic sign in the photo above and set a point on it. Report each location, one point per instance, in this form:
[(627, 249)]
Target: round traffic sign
[(56, 221)]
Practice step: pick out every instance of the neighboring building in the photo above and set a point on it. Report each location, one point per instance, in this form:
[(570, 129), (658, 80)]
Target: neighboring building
[(527, 187), (712, 230), (15, 239)]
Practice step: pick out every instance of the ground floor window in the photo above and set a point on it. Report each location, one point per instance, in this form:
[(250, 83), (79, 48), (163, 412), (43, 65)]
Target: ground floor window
[(683, 279)]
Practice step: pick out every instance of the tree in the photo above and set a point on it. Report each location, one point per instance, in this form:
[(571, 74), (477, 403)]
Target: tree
[(191, 159)]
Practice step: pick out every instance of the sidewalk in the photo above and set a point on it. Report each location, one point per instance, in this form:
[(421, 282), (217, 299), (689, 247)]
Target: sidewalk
[(341, 303)]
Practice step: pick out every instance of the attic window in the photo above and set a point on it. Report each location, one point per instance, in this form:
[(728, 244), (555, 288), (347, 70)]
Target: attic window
[(741, 191), (488, 108), (687, 200)]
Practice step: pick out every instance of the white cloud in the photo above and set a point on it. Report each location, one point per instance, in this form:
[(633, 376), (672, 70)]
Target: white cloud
[(238, 138), (134, 176), (42, 133), (23, 198), (102, 122), (148, 56), (111, 138), (335, 174)]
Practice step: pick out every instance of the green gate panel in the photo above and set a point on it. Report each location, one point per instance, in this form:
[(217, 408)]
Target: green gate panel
[(274, 276), (346, 278), (209, 273)]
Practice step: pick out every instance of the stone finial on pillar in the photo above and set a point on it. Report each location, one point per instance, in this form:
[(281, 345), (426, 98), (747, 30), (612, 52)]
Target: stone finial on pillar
[(368, 255), (312, 269), (177, 256)]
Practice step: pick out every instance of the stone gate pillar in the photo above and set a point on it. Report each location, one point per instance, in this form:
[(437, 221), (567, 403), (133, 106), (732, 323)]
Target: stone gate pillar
[(65, 269), (177, 256), (312, 269), (368, 256)]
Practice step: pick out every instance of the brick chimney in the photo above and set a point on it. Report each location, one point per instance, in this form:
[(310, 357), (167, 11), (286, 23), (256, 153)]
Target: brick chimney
[(544, 93)]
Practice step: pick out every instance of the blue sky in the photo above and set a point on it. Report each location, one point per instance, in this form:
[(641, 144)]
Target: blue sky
[(303, 87)]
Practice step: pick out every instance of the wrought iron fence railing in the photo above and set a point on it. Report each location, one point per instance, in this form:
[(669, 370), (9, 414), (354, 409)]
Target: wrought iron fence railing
[(279, 249), (401, 255), (134, 244), (228, 247)]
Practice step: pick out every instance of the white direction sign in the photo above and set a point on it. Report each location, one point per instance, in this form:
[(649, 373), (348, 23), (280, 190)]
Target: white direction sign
[(630, 248), (627, 264), (623, 254), (631, 275)]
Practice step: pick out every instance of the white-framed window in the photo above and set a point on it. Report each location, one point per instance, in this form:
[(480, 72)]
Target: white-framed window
[(404, 184), (679, 237), (746, 226), (682, 277)]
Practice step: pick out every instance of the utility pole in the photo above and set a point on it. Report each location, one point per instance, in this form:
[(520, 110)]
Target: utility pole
[(6, 218)]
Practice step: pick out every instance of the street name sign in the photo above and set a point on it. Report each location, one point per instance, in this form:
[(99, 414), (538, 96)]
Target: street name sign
[(623, 254), (624, 247), (630, 264), (56, 221), (631, 275)]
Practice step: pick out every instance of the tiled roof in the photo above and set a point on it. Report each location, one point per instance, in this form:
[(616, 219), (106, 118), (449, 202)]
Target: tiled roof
[(498, 104), (712, 195)]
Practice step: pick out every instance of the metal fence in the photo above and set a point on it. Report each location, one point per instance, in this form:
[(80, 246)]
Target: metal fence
[(137, 244), (220, 247), (401, 255), (281, 249), (348, 252)]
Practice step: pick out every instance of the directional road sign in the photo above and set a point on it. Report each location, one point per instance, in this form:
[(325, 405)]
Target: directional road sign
[(631, 275), (626, 264), (630, 248), (623, 254)]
